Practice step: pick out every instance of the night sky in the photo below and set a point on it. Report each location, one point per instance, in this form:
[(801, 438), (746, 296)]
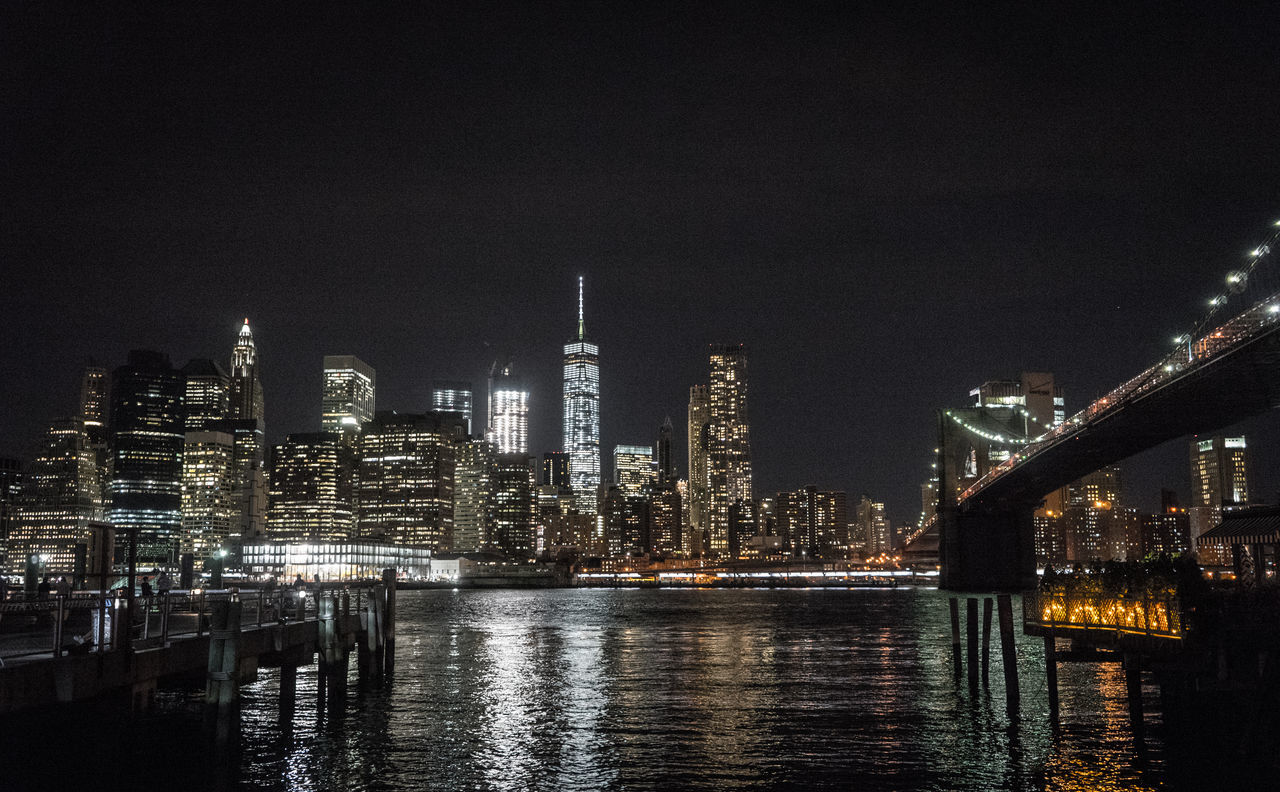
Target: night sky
[(886, 207)]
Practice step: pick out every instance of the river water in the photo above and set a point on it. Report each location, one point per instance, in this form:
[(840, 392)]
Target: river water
[(573, 689)]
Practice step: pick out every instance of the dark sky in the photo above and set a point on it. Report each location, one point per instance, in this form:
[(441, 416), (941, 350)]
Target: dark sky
[(886, 207)]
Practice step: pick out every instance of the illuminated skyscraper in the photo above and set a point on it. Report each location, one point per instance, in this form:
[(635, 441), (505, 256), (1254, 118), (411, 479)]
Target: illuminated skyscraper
[(455, 398), (513, 505), (699, 428), (633, 469), (508, 411), (209, 508), (95, 405), (1219, 479), (815, 523), (347, 401), (312, 494), (61, 499), (246, 385), (208, 394), (406, 478), (729, 445), (146, 450), (582, 414), (473, 502)]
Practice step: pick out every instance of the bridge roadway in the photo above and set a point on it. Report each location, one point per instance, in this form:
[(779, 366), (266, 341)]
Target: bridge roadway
[(986, 540)]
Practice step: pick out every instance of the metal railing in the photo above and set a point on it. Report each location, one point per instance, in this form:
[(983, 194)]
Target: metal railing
[(90, 622), (1152, 616)]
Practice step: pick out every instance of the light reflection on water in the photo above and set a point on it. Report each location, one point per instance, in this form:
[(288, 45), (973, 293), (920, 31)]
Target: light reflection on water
[(662, 689)]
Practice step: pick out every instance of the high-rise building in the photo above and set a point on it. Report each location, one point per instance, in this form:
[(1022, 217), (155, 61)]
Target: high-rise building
[(1169, 531), (633, 468), (208, 394), (95, 404), (146, 451), (406, 478), (625, 519), (1035, 392), (814, 523), (555, 469), (513, 505), (699, 444), (508, 411), (452, 397), (873, 528), (347, 399), (246, 382), (729, 444), (666, 461), (10, 489), (60, 502), (312, 489), (582, 414), (664, 520), (473, 502), (1219, 480), (209, 507)]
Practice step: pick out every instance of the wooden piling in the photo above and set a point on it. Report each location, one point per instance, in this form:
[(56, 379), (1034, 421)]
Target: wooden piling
[(1051, 675), (389, 622), (1008, 655), (954, 605), (971, 642), (986, 642), (1133, 686), (223, 688)]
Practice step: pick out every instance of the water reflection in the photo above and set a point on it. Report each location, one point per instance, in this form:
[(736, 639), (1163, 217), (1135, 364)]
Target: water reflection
[(655, 689)]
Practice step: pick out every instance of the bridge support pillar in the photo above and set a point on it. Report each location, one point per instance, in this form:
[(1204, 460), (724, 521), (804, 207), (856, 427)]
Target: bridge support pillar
[(988, 549)]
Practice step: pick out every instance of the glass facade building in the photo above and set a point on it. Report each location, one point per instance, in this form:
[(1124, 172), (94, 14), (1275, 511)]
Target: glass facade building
[(508, 411), (146, 452), (633, 469), (208, 394), (453, 397), (348, 396), (582, 414)]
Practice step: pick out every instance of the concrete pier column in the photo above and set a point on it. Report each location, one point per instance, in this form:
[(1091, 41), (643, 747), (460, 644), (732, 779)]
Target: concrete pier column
[(1008, 655), (1133, 687), (971, 642)]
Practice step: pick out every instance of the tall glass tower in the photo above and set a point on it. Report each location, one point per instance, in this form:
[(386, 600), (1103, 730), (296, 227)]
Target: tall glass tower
[(728, 442), (582, 415)]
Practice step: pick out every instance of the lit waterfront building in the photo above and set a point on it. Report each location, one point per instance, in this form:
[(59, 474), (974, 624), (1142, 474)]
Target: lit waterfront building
[(1219, 480), (60, 502), (633, 468), (729, 445), (406, 478), (473, 499), (873, 536), (624, 519), (453, 397), (699, 427), (10, 488), (582, 414), (146, 451), (813, 522), (207, 395), (665, 522), (209, 507), (508, 411), (246, 382), (312, 489), (1169, 531), (348, 395), (344, 560), (513, 506)]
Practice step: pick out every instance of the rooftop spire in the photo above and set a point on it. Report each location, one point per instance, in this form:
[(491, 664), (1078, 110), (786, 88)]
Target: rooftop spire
[(582, 332)]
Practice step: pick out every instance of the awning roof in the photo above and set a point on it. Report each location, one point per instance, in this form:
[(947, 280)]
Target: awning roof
[(1245, 527)]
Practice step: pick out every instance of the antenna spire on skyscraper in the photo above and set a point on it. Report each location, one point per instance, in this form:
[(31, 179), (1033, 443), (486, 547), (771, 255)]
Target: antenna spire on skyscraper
[(582, 332)]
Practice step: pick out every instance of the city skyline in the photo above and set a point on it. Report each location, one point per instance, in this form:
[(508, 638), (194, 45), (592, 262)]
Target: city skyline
[(887, 209)]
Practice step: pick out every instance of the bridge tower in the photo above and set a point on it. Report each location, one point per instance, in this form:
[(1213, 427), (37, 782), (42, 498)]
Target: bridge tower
[(987, 546)]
